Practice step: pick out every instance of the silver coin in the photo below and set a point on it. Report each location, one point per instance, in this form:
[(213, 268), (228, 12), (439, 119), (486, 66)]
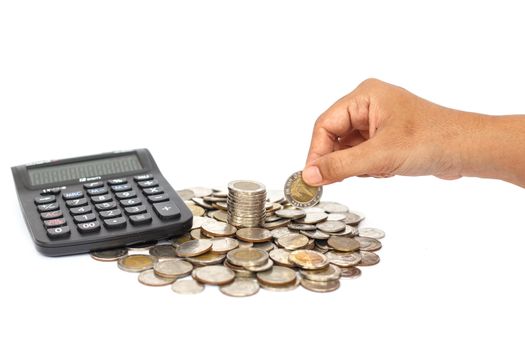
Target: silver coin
[(163, 251), (187, 286), (141, 246), (329, 273), (343, 259), (353, 218), (368, 244), (186, 194), (350, 272), (276, 224), (224, 244), (301, 227), (333, 207), (216, 275), (371, 232), (336, 216), (194, 247), (241, 287), (172, 268), (317, 234), (331, 226), (254, 234), (312, 217), (200, 202), (282, 288), (280, 257), (198, 221), (293, 214), (218, 229), (149, 278), (281, 231), (109, 255), (320, 287), (201, 191), (368, 259), (343, 244), (293, 241), (267, 266), (247, 257), (266, 246), (206, 259)]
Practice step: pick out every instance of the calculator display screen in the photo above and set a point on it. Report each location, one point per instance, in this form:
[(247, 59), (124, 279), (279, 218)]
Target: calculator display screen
[(89, 168)]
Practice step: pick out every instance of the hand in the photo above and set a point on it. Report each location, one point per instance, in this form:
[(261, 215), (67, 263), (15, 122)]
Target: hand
[(382, 130)]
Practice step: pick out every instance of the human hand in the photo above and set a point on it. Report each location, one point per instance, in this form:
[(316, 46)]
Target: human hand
[(382, 130)]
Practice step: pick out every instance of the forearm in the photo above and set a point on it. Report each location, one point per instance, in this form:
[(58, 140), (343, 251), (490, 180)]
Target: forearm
[(495, 148)]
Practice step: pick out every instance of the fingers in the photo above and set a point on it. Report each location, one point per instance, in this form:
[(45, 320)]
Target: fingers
[(368, 158)]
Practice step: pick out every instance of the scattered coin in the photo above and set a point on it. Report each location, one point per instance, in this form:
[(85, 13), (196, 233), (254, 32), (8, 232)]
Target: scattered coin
[(254, 234), (308, 259), (299, 193), (312, 218), (293, 241), (163, 251), (267, 246), (301, 227), (350, 272), (218, 229), (109, 255), (149, 278), (172, 268), (353, 218), (198, 221), (280, 257), (331, 226), (321, 287), (224, 244), (293, 214), (196, 210), (201, 191), (371, 232), (136, 263), (209, 258), (277, 276), (368, 244), (368, 258), (343, 244), (281, 288), (194, 247), (141, 246), (240, 287), (186, 194), (187, 286), (333, 207), (317, 234), (329, 273), (260, 268), (336, 216), (215, 275), (343, 259), (281, 231), (247, 257)]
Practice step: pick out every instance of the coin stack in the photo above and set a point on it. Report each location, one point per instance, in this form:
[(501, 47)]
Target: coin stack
[(246, 203)]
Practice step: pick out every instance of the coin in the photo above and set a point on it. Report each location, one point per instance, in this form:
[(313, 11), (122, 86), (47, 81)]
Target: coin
[(312, 218), (293, 214), (136, 263), (281, 231), (280, 257), (368, 244), (350, 272), (368, 258), (308, 259), (181, 239), (267, 246), (194, 247), (353, 218), (331, 226), (281, 288), (317, 234), (187, 286), (196, 210), (293, 241), (218, 229), (344, 259), (240, 287), (224, 244), (246, 203), (277, 276), (109, 255), (215, 275), (371, 232), (299, 193), (149, 278), (333, 207), (186, 194), (254, 234), (301, 227), (260, 268), (141, 246), (320, 287), (220, 215), (247, 257), (172, 268), (201, 191), (198, 221), (163, 251), (329, 273), (209, 258), (343, 244), (276, 224), (336, 216)]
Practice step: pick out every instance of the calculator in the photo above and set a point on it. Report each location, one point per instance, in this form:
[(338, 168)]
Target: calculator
[(98, 202)]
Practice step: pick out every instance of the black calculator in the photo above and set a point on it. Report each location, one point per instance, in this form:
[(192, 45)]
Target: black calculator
[(98, 202)]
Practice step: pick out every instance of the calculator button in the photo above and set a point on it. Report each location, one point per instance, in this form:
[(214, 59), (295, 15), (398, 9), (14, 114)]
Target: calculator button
[(55, 223), (117, 181), (46, 191), (101, 198), (84, 218), (149, 183), (108, 214), (80, 210), (153, 190), (76, 202), (158, 198), (97, 191), (124, 195), (45, 199), (135, 210), (48, 207), (140, 219), (130, 202), (48, 215), (106, 206), (166, 210), (115, 223), (93, 184), (120, 188), (72, 195), (89, 227), (59, 232), (143, 177)]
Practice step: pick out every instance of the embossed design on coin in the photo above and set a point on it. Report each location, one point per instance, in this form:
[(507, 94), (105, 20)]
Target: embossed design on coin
[(308, 259), (299, 193)]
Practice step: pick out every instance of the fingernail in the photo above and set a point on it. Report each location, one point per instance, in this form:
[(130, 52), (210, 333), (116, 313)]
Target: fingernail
[(312, 175)]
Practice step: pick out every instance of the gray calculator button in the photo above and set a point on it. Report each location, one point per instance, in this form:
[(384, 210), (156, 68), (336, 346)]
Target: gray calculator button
[(55, 223), (45, 199), (135, 210), (126, 194), (72, 195), (101, 199), (48, 207), (115, 223), (84, 218), (143, 177), (58, 232), (97, 191), (76, 202), (117, 181), (140, 219), (93, 184), (89, 227), (106, 206), (48, 215), (121, 188), (153, 190), (158, 198), (130, 202), (80, 210), (108, 214), (149, 183), (166, 210)]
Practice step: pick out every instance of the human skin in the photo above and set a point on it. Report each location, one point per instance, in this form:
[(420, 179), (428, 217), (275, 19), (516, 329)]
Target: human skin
[(382, 130)]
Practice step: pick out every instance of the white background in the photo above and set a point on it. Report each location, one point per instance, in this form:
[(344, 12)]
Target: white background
[(223, 90)]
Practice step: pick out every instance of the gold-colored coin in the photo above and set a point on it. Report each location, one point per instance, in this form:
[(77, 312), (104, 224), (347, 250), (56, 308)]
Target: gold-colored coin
[(293, 241), (173, 268), (196, 210), (216, 275), (300, 194), (343, 244), (277, 276), (221, 215), (308, 259), (194, 247), (136, 263), (149, 278)]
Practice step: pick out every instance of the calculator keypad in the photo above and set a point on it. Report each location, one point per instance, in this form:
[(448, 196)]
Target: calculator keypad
[(111, 199)]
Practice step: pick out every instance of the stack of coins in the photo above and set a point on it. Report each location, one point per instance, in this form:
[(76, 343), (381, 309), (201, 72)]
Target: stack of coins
[(246, 203)]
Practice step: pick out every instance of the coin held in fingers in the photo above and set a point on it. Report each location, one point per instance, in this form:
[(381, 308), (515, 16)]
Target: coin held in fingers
[(299, 193)]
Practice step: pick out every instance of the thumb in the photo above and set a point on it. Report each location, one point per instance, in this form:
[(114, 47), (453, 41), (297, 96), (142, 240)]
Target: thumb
[(367, 158)]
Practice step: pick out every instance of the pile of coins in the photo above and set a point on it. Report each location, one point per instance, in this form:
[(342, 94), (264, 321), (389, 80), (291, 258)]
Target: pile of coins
[(246, 203), (313, 247)]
